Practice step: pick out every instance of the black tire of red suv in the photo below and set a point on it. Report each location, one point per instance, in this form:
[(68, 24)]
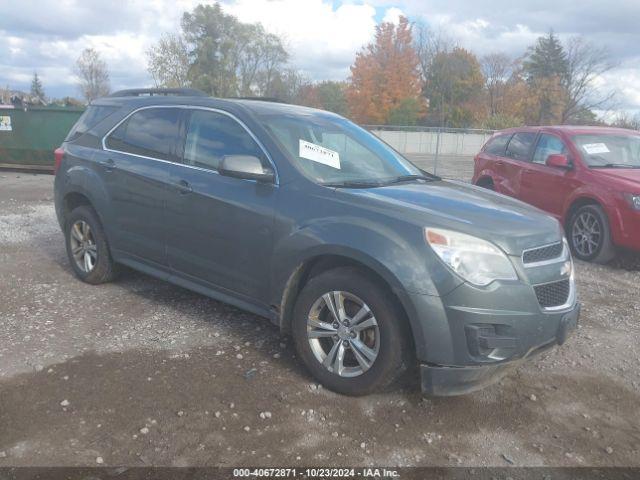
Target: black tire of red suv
[(103, 268), (589, 225), (394, 354)]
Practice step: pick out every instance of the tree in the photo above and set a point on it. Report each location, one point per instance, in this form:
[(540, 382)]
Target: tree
[(384, 75), (168, 62), (93, 74), (584, 64), (37, 90), (327, 95), (546, 59), (545, 68), (454, 86), (228, 57), (497, 69)]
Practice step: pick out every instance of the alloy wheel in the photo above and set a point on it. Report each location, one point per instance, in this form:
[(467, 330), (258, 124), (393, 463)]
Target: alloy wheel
[(83, 246), (586, 234), (343, 333)]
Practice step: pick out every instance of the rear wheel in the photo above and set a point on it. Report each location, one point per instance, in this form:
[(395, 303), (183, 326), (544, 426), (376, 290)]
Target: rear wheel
[(87, 247), (349, 333), (590, 236)]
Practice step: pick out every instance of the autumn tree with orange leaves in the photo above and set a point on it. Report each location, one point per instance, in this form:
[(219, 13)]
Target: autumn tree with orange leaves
[(385, 85)]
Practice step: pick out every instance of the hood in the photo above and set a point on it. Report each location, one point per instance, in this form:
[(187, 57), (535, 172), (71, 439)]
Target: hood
[(627, 176), (509, 223)]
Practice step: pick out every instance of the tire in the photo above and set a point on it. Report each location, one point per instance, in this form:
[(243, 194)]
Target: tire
[(590, 236), (486, 183), (389, 338), (93, 242)]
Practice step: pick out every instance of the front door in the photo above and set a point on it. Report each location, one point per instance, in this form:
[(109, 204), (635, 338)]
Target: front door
[(547, 187), (219, 229)]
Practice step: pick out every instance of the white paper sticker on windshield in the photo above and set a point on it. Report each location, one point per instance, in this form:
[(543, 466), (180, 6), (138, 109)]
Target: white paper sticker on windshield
[(595, 148), (319, 154)]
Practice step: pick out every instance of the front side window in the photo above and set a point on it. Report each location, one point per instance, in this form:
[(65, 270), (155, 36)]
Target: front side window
[(497, 145), (212, 135), (151, 132), (609, 150), (333, 150), (548, 145), (520, 146)]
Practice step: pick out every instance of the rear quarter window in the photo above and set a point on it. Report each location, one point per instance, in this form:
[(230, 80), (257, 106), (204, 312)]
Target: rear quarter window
[(93, 115), (497, 145)]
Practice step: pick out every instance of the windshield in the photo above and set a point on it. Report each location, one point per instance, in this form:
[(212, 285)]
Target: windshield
[(609, 151), (333, 151)]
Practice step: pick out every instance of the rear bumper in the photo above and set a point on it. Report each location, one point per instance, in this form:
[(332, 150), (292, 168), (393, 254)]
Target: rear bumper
[(446, 380)]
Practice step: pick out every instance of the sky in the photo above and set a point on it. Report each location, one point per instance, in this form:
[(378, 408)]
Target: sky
[(322, 36)]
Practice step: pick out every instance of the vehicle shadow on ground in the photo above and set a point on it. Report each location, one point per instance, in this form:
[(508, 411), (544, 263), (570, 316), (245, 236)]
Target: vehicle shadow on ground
[(144, 407)]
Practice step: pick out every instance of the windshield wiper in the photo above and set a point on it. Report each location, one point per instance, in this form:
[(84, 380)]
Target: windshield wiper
[(408, 178), (615, 165), (354, 184)]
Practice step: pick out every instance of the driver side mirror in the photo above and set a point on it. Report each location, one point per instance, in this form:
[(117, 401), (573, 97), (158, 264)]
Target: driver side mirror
[(247, 167), (558, 160)]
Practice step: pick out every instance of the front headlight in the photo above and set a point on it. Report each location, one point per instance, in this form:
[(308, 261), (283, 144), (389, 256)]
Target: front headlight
[(476, 260), (634, 200)]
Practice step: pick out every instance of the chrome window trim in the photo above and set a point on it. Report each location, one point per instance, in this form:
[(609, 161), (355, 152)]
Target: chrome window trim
[(564, 256), (191, 107)]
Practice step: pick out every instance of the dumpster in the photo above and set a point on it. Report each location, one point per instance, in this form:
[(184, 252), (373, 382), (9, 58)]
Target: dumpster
[(29, 135)]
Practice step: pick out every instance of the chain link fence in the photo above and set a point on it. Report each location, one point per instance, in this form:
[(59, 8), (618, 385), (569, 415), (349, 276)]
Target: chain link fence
[(447, 152)]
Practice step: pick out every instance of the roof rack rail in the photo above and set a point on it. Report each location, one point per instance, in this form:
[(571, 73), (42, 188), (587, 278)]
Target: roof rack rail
[(261, 99), (140, 92)]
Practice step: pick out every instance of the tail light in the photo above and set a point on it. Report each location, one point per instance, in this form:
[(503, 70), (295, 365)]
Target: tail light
[(58, 153)]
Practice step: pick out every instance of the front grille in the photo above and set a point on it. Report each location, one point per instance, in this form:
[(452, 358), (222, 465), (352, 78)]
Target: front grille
[(542, 254), (553, 294)]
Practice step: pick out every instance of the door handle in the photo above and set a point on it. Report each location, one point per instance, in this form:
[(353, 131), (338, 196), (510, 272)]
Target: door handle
[(184, 187), (108, 164)]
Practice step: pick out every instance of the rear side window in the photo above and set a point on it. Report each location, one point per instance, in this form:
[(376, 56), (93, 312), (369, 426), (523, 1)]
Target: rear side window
[(151, 133), (93, 115), (211, 136), (520, 145), (497, 145)]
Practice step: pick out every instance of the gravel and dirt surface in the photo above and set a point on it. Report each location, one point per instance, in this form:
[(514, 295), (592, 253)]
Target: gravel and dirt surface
[(140, 372)]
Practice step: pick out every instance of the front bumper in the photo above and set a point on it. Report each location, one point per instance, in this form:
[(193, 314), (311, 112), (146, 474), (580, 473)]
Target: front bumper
[(457, 380)]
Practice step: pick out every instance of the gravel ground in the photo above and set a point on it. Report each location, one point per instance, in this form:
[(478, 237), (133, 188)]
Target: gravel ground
[(139, 372)]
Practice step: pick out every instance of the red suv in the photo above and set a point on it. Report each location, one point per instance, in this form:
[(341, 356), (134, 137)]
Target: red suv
[(587, 177)]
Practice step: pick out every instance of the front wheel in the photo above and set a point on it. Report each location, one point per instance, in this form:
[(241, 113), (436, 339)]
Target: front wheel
[(349, 333), (590, 236)]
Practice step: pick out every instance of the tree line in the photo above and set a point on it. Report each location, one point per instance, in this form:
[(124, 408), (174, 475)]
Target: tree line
[(408, 75)]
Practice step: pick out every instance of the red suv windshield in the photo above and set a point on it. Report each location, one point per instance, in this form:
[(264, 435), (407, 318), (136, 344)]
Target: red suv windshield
[(609, 151)]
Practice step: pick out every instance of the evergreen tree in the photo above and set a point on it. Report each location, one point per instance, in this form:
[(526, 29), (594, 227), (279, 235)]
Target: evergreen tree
[(546, 59), (37, 90)]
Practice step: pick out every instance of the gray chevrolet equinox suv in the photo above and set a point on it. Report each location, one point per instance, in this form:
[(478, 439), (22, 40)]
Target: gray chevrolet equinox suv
[(372, 265)]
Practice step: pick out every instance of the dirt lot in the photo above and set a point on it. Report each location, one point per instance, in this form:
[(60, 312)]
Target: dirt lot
[(139, 372)]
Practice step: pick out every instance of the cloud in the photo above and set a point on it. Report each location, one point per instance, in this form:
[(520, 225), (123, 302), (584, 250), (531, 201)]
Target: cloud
[(322, 36), (322, 39)]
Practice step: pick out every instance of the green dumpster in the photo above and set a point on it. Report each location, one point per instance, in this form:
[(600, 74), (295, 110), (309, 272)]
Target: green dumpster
[(28, 136)]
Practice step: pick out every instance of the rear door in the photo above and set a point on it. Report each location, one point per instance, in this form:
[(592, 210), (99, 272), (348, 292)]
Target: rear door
[(547, 187), (219, 228), (137, 153), (517, 156), (489, 161)]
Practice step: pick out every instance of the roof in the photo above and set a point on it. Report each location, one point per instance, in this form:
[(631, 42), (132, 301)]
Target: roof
[(572, 129), (257, 106)]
